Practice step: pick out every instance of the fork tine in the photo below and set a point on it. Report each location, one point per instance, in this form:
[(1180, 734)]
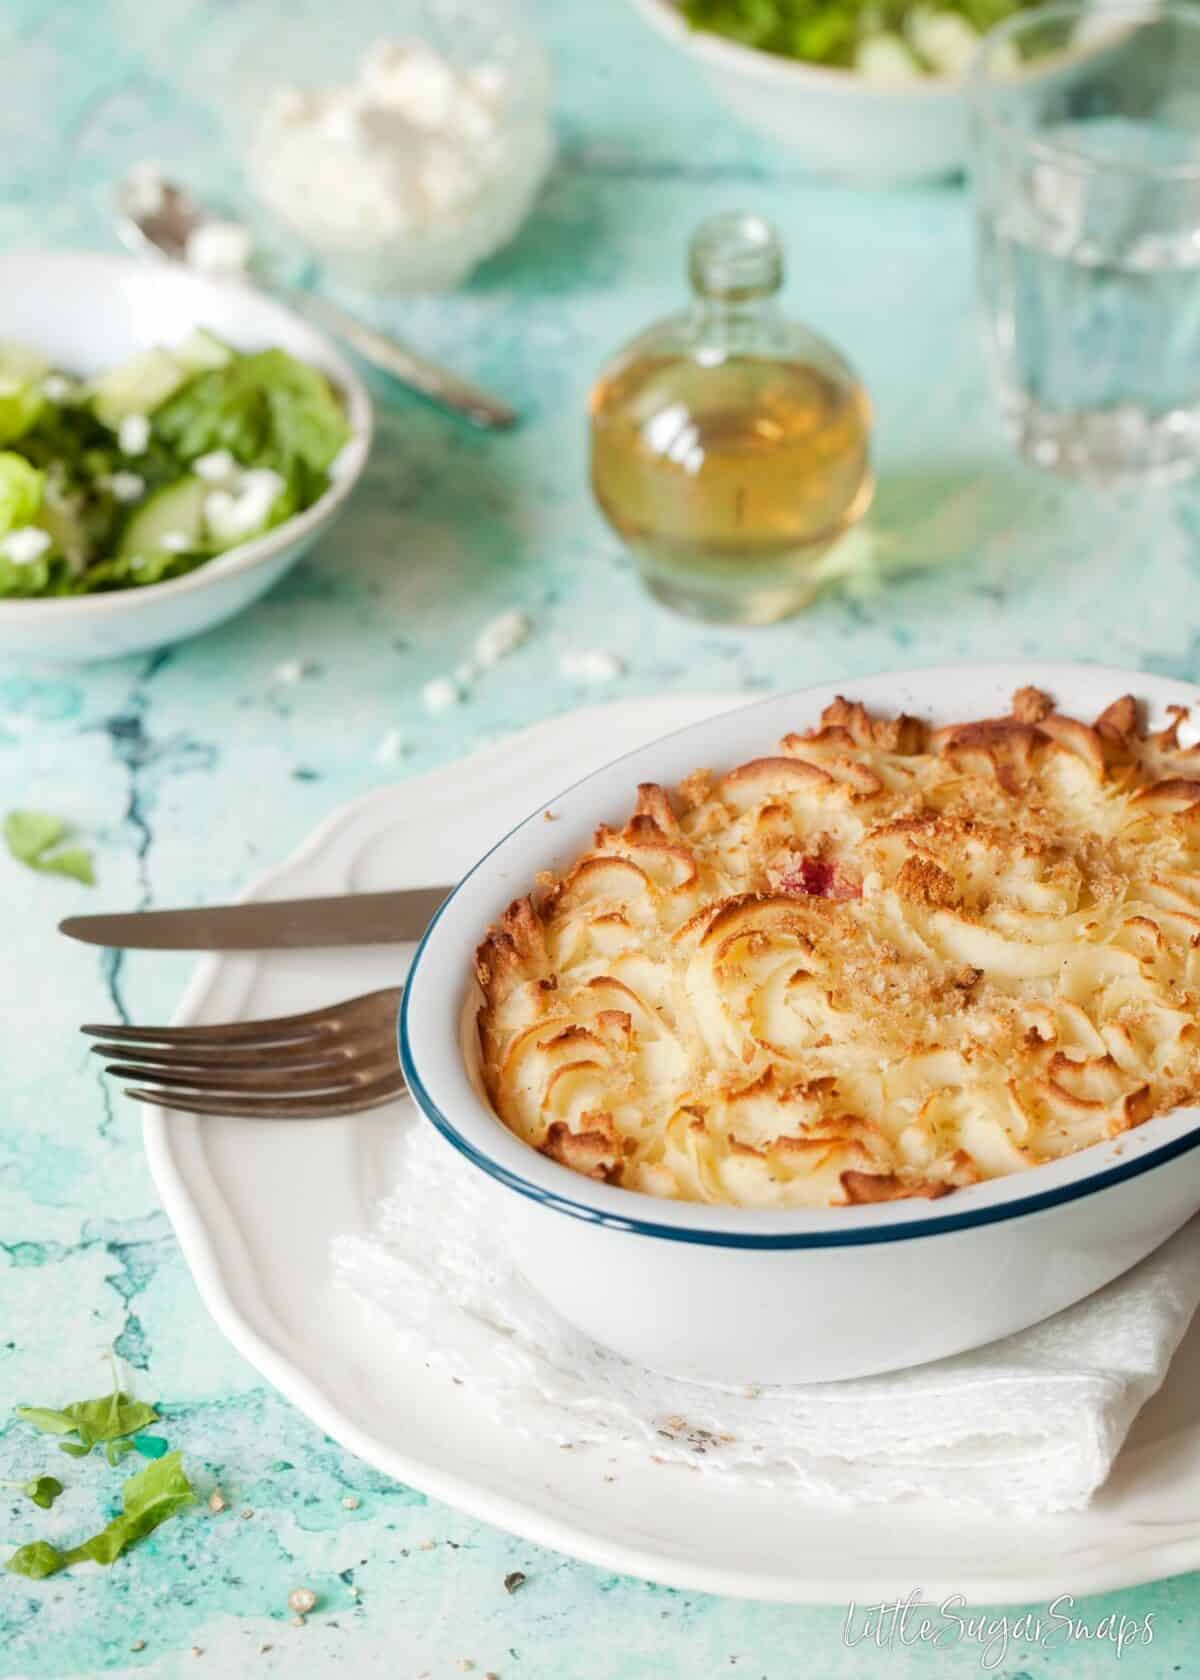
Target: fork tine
[(283, 1029), (319, 1052), (279, 1108), (273, 1081), (330, 1021)]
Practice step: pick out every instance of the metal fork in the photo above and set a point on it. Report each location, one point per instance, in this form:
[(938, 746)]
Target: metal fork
[(341, 1059)]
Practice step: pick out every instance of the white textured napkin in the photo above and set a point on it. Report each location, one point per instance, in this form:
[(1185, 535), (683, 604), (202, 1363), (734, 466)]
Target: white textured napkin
[(1031, 1423)]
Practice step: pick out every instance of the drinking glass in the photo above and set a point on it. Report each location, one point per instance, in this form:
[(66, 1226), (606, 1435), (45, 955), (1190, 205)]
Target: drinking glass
[(1087, 174)]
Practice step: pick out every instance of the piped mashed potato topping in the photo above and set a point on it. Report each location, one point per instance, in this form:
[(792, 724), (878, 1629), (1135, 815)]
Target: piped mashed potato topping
[(888, 961)]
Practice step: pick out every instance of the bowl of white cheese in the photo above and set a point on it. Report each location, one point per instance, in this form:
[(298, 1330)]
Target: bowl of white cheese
[(400, 142)]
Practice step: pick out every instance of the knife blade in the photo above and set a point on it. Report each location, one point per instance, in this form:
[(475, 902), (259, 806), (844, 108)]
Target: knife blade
[(381, 918)]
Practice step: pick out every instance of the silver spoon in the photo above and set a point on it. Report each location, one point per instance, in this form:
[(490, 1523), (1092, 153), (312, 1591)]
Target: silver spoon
[(165, 229)]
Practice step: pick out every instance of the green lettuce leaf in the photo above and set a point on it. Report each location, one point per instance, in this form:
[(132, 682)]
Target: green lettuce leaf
[(106, 1419), (31, 837), (147, 1499), (268, 410), (43, 1490)]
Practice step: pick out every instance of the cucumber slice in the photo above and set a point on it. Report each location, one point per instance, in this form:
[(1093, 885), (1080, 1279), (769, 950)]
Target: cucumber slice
[(178, 510), (61, 517), (202, 350), (137, 386)]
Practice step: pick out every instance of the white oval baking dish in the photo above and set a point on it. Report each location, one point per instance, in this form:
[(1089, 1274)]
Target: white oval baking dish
[(736, 1295)]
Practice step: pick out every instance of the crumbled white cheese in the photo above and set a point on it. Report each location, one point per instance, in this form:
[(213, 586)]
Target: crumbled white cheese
[(591, 665), (25, 545), (391, 749), (440, 694), (217, 467), (124, 486), (295, 670), (501, 637), (174, 542), (234, 514), (411, 142), (218, 247), (133, 434), (57, 388)]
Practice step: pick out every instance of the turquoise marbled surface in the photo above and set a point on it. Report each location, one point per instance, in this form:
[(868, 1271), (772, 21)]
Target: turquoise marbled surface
[(191, 771)]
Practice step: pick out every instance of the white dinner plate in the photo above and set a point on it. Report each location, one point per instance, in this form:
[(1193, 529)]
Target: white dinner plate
[(256, 1206)]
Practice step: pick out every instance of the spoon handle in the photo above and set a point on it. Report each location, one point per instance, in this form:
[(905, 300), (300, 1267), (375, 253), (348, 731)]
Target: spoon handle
[(432, 381)]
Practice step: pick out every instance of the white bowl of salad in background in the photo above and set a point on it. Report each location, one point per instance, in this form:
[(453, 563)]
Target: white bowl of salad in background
[(873, 90), (170, 444)]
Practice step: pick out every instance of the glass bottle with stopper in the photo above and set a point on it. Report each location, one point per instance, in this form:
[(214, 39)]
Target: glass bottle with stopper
[(730, 444)]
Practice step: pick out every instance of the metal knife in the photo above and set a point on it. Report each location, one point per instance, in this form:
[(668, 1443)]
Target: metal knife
[(351, 919)]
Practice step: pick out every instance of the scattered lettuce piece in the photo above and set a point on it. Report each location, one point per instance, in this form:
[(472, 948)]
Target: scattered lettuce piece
[(43, 1490), (37, 1560), (107, 1419), (147, 1499), (31, 837), (48, 1421), (74, 1448), (21, 488)]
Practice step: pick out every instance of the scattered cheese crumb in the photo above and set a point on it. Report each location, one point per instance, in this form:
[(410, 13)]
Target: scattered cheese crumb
[(501, 637), (218, 247), (350, 1503), (246, 1514), (197, 1650), (133, 434), (243, 511), (217, 1500), (299, 1621), (302, 1600), (591, 665), (292, 671), (125, 486), (138, 1645), (428, 1545), (25, 545), (215, 467), (440, 694)]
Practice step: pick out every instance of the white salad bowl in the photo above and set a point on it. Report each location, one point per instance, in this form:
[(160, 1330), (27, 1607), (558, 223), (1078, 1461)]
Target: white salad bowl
[(839, 122), (86, 312), (737, 1295)]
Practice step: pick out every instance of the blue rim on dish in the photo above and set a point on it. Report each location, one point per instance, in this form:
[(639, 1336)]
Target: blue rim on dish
[(740, 1239)]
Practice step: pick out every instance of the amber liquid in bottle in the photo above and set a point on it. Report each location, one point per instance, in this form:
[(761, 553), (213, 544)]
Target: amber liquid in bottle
[(730, 447)]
